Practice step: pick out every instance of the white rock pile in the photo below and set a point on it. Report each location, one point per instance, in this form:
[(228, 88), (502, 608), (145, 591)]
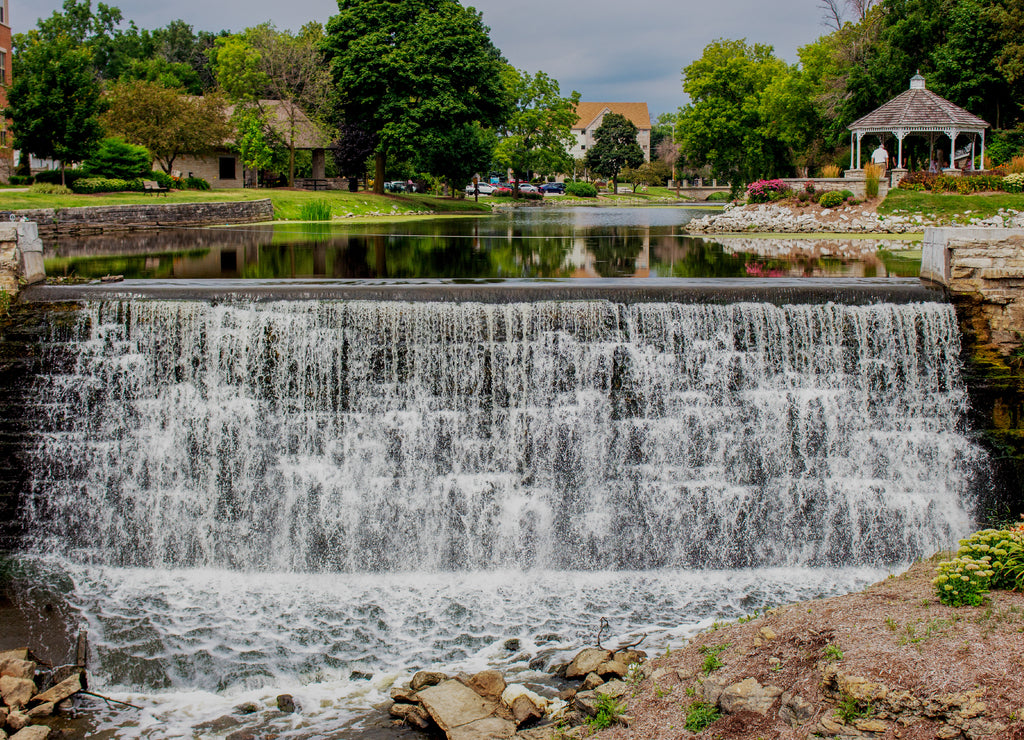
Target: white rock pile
[(483, 706), (771, 217), (24, 705)]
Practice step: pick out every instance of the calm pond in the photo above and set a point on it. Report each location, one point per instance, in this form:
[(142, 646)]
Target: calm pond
[(526, 243)]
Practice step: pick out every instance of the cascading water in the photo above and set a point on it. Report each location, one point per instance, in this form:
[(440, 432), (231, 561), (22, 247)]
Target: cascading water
[(335, 460)]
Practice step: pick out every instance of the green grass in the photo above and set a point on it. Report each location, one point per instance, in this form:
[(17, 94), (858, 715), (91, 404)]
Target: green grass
[(699, 715), (288, 204), (947, 206)]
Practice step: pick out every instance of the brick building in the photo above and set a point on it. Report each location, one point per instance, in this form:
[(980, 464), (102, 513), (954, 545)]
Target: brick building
[(590, 116), (6, 152)]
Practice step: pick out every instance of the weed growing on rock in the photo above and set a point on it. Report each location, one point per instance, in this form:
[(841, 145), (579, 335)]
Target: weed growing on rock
[(711, 660), (609, 711), (832, 652), (699, 715), (892, 624), (848, 709)]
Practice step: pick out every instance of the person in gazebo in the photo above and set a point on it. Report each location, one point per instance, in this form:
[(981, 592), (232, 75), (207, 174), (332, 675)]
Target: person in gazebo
[(936, 164), (881, 157)]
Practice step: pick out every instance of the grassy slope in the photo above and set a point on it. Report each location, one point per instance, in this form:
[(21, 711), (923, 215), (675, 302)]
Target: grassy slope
[(287, 203), (947, 207)]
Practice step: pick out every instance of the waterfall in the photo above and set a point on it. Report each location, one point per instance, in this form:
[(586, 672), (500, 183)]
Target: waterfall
[(387, 436)]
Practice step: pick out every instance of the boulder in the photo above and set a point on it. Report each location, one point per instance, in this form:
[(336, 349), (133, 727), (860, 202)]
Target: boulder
[(592, 681), (35, 732), (587, 661), (870, 725), (489, 728), (412, 714), (614, 689), (18, 668), (42, 710), (511, 644), (18, 654), (489, 684), (16, 692), (17, 720), (586, 702), (711, 687), (422, 679), (452, 704), (404, 695), (629, 655), (243, 734), (525, 712), (286, 703), (68, 687), (612, 669), (795, 710), (767, 633), (249, 707), (748, 696)]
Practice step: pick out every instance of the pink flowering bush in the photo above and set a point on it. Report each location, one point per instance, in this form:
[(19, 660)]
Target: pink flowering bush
[(766, 191)]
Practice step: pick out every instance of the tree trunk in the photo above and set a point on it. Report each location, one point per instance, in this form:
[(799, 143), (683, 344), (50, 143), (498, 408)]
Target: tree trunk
[(378, 176), (615, 184)]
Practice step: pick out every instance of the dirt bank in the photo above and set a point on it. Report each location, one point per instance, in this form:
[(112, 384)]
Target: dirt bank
[(891, 658)]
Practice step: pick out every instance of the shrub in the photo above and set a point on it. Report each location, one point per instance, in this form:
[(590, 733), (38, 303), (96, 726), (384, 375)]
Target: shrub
[(830, 170), (48, 189), (195, 183), (581, 189), (22, 179), (162, 179), (1012, 183), (699, 715), (53, 176), (89, 185), (718, 197), (991, 558), (765, 191), (809, 187), (531, 196), (831, 199), (316, 210), (116, 158)]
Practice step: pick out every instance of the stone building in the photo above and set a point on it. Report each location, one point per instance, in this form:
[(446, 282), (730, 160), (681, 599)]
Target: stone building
[(590, 116)]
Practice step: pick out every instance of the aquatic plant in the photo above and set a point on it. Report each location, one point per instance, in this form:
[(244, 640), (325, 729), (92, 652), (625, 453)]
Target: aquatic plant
[(316, 210)]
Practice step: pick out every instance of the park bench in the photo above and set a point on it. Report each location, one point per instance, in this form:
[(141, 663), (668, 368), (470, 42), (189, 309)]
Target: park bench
[(152, 186)]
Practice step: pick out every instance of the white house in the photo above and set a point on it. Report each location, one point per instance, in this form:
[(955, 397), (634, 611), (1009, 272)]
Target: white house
[(590, 115)]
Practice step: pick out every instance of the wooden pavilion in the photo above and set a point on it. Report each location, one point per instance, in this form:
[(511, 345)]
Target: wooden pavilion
[(919, 111)]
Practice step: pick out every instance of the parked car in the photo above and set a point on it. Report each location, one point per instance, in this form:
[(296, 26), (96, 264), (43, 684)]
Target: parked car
[(485, 188), (525, 187), (556, 188)]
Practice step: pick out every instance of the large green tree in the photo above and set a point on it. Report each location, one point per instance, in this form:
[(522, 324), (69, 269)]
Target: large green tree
[(54, 104), (456, 154), (266, 63), (722, 126), (538, 128), (166, 121), (615, 148), (405, 68)]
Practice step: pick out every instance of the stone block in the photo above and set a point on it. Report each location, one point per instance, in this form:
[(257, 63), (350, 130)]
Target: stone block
[(452, 704)]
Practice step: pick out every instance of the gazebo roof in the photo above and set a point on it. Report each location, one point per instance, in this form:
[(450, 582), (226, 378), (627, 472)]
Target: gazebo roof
[(918, 109)]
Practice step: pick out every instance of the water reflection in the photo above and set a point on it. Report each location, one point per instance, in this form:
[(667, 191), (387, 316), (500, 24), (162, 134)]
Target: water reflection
[(529, 243)]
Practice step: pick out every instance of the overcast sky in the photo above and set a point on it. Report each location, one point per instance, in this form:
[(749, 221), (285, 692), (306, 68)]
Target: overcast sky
[(630, 50)]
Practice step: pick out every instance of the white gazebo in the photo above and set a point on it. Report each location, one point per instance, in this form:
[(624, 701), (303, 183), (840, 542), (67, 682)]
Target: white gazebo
[(919, 111)]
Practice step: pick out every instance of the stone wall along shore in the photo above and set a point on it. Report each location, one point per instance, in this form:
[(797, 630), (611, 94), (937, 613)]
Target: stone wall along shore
[(98, 219)]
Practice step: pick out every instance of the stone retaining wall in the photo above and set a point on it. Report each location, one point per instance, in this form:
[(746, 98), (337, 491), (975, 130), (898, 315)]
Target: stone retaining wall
[(97, 219), (983, 268)]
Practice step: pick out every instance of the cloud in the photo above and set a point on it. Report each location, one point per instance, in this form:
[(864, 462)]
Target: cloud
[(614, 51)]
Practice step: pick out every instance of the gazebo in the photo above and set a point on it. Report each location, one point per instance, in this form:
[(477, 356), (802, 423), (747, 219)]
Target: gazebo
[(918, 111)]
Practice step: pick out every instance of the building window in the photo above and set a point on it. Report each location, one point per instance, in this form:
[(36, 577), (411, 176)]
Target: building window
[(3, 11), (3, 66), (227, 168), (583, 146)]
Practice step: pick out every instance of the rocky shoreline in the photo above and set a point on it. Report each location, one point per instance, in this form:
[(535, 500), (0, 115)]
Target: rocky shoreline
[(862, 219)]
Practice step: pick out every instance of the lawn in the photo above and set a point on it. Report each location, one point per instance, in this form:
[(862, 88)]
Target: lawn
[(287, 203), (949, 207)]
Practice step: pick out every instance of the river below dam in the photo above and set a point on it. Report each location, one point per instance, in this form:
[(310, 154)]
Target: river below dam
[(242, 498)]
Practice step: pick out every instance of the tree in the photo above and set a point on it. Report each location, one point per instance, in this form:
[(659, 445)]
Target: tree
[(535, 134), (252, 143), (263, 63), (165, 121), (351, 150), (456, 154), (615, 147), (54, 104), (117, 158), (404, 69), (722, 126)]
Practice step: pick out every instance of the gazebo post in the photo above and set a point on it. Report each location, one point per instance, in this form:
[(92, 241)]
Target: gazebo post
[(983, 150), (860, 135), (952, 133), (899, 149), (851, 151)]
